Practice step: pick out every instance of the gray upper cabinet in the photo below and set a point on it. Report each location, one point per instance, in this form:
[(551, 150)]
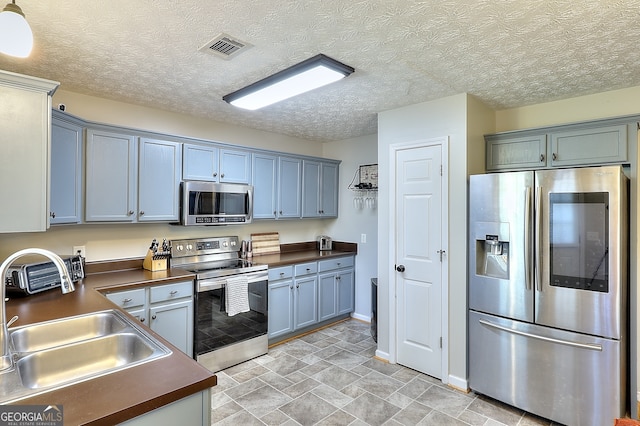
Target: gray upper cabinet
[(216, 164), (130, 183), (319, 189), (200, 163), (159, 172), (513, 151), (289, 187), (606, 144), (591, 143), (265, 169), (66, 171), (111, 178)]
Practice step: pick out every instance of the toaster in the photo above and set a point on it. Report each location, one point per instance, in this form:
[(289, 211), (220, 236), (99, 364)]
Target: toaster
[(324, 243)]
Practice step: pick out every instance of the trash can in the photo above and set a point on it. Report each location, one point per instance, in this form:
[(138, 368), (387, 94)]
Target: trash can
[(374, 309)]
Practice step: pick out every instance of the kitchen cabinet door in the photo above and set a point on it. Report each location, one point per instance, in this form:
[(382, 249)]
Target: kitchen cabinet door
[(305, 301), (200, 163), (327, 296), (346, 291), (264, 186), (111, 177), (319, 189), (289, 187), (280, 301), (174, 322), (516, 151), (159, 172), (66, 171), (235, 166), (597, 145)]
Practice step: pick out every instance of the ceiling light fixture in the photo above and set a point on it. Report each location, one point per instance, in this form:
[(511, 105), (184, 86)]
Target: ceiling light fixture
[(300, 78), (16, 38)]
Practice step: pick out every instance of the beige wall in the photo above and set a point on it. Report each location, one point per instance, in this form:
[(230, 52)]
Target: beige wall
[(600, 105)]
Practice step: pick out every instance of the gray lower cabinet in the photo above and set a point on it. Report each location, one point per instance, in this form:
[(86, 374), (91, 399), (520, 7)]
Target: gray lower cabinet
[(581, 144), (280, 300), (309, 293), (166, 309), (191, 410), (336, 287)]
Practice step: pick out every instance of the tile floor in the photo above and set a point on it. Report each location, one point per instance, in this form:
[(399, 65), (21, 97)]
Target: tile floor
[(330, 377)]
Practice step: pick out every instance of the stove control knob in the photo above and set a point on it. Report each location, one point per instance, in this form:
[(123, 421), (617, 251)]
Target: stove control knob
[(225, 243), (189, 247), (179, 247), (233, 243)]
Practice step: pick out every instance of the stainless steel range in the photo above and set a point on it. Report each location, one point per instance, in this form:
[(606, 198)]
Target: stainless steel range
[(225, 333)]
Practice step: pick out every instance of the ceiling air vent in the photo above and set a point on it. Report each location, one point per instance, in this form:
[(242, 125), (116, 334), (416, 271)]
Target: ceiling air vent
[(225, 46)]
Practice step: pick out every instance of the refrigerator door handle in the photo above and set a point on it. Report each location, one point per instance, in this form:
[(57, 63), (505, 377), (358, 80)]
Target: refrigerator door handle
[(537, 243), (589, 346), (527, 238)]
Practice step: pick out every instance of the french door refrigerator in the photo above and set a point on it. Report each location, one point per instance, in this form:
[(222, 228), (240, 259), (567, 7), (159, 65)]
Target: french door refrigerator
[(548, 292)]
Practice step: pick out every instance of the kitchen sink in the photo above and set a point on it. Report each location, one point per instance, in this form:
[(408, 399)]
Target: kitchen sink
[(75, 361), (68, 330), (54, 354)]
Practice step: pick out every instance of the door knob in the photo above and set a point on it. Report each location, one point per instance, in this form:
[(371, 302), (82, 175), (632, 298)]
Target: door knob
[(400, 268)]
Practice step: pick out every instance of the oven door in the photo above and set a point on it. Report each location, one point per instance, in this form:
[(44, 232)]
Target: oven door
[(220, 340)]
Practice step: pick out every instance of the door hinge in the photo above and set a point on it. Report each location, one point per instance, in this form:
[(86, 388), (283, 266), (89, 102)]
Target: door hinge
[(440, 342), (441, 171)]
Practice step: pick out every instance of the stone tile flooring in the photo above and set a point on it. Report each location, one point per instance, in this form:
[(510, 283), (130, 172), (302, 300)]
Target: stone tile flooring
[(330, 377)]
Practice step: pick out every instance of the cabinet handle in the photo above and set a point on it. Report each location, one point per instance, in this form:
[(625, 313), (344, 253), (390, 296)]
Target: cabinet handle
[(141, 212), (52, 214), (308, 269), (215, 174), (127, 300), (275, 212), (280, 211), (153, 317), (554, 157), (339, 263), (141, 319), (282, 274), (291, 286), (338, 278), (221, 175), (130, 212), (173, 292), (542, 158), (297, 285)]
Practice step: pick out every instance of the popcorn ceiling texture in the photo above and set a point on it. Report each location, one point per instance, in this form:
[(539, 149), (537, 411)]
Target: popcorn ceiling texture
[(507, 53)]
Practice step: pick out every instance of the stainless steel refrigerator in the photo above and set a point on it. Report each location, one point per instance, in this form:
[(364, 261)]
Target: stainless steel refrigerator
[(548, 286)]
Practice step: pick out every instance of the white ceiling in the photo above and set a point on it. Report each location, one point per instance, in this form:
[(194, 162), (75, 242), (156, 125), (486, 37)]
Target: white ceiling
[(507, 53)]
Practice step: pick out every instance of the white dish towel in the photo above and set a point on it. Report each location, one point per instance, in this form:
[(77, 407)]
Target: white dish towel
[(237, 295)]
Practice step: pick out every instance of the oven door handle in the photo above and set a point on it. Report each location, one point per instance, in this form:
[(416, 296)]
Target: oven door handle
[(209, 285), (214, 284)]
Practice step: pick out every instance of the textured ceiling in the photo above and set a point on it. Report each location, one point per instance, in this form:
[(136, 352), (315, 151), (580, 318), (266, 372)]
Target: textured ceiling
[(507, 53)]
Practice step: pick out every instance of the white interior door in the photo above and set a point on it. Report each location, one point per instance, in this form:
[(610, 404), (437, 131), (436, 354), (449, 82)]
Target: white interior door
[(419, 258)]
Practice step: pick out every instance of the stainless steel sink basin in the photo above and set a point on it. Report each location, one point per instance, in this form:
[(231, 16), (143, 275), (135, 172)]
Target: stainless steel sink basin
[(54, 354), (68, 330), (99, 356)]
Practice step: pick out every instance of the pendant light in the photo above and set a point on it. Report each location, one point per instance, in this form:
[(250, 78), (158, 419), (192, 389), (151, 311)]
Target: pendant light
[(16, 38)]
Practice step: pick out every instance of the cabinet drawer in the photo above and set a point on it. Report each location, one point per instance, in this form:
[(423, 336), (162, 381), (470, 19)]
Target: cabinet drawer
[(280, 273), (337, 263), (306, 268), (128, 298), (166, 292)]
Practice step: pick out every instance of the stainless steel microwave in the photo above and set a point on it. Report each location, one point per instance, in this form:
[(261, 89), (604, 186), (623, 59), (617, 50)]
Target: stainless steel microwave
[(210, 203)]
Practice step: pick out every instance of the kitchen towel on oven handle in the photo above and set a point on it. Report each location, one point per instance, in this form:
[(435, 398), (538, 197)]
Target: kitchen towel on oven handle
[(237, 295)]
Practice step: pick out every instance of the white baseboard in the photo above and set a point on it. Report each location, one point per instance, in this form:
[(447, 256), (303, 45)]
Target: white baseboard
[(458, 383), (382, 355), (361, 317)]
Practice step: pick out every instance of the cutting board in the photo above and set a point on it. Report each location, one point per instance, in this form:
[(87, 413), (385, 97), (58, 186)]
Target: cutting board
[(265, 243)]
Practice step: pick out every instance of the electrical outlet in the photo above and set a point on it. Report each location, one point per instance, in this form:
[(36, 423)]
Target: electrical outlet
[(80, 250), (363, 238)]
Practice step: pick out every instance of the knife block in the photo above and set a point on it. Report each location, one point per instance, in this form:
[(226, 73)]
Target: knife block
[(153, 263)]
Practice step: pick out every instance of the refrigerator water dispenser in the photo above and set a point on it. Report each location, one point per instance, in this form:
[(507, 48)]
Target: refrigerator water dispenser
[(492, 257)]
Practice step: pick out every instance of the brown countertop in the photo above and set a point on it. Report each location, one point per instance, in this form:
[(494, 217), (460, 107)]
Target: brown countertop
[(304, 252), (125, 394)]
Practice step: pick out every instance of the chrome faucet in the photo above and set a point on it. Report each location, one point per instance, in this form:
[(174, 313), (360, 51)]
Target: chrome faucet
[(66, 285)]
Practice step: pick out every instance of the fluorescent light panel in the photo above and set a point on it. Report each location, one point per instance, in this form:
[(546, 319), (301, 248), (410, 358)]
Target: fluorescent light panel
[(300, 78)]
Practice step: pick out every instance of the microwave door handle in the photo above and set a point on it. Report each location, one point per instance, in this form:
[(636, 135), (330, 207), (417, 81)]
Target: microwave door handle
[(196, 203), (538, 243), (528, 259)]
